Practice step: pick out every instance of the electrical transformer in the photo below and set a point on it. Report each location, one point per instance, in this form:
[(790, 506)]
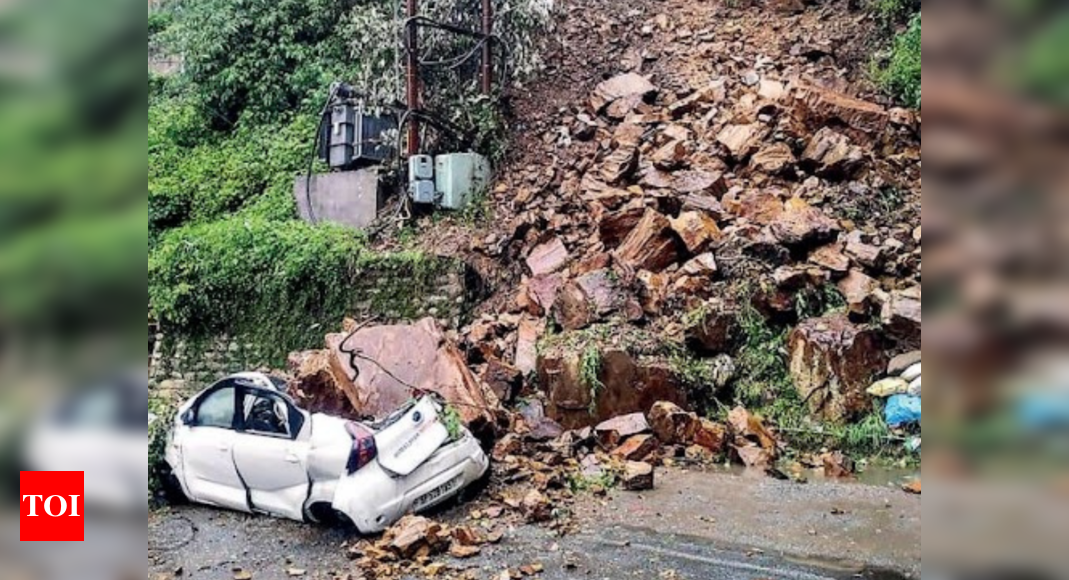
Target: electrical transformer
[(350, 136)]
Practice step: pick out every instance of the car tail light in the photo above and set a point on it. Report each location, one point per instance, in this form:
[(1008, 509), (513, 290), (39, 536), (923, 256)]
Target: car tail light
[(363, 450)]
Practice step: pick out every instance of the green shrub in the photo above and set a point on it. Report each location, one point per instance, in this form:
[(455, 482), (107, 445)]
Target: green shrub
[(221, 174), (270, 280), (901, 77)]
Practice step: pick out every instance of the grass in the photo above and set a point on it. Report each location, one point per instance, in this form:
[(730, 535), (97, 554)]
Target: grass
[(901, 75), (589, 371)]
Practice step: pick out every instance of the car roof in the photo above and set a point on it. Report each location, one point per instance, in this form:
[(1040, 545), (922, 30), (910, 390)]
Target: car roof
[(254, 379)]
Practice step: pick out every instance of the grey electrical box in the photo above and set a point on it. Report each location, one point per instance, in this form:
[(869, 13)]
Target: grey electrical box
[(421, 179), (351, 136), (459, 177)]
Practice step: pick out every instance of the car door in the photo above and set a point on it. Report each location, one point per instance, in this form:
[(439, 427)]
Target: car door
[(211, 476), (271, 453)]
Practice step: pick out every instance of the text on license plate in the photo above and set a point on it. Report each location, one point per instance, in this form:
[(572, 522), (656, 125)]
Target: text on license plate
[(435, 494)]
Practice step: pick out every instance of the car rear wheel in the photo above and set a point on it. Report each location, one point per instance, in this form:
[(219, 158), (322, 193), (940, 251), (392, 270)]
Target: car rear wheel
[(325, 514)]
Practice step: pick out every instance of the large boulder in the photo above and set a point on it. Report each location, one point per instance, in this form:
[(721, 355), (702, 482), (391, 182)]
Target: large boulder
[(318, 386), (832, 363), (387, 365), (624, 384)]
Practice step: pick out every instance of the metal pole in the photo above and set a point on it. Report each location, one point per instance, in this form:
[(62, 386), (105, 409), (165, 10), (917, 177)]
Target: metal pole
[(488, 65), (412, 74)]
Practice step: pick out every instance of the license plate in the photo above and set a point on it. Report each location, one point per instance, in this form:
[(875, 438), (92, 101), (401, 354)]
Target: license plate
[(431, 497)]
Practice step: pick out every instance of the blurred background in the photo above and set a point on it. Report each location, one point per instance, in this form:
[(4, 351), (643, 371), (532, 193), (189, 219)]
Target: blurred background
[(73, 233), (72, 274)]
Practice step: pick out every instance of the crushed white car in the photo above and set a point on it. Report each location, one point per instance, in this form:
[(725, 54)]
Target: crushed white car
[(243, 444)]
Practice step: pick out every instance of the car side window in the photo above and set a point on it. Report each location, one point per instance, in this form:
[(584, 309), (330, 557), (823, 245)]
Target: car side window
[(266, 414), (217, 409)]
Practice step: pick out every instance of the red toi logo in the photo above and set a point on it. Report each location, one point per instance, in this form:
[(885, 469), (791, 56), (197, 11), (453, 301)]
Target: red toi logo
[(51, 506)]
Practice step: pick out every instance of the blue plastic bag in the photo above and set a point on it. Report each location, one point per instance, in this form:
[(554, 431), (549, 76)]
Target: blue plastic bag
[(902, 410)]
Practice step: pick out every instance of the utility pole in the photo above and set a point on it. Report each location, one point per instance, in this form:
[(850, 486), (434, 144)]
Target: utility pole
[(412, 73), (488, 65)]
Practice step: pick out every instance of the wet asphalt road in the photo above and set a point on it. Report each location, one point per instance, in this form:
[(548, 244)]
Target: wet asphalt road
[(695, 526)]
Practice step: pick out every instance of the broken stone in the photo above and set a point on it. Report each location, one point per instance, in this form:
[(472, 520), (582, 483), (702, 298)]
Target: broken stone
[(818, 107), (573, 310), (831, 257), (864, 254), (913, 488), (635, 448), (395, 359), (622, 107), (461, 552), (802, 224), (697, 230), (413, 533), (536, 507), (620, 164), (903, 362), (614, 227), (710, 183), (706, 204), (715, 327), (711, 436), (612, 432), (653, 290), (638, 476), (742, 141), (318, 385), (671, 424), (670, 156), (832, 156), (761, 207), (541, 293), (651, 245), (589, 298), (745, 425), (832, 363), (789, 7), (901, 317), (710, 95), (753, 455), (624, 85), (701, 268), (504, 380), (528, 333), (837, 465), (548, 258), (774, 159), (859, 291)]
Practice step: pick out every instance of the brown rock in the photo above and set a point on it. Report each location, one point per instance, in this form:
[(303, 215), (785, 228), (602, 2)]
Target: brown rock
[(711, 436), (624, 85), (759, 207), (671, 424), (651, 245), (706, 204), (742, 141), (697, 181), (541, 293), (832, 156), (462, 552), (624, 106), (588, 299), (548, 258), (864, 254), (620, 164), (536, 507), (802, 224), (831, 257), (787, 6), (614, 227), (752, 455), (697, 230), (614, 431), (902, 362), (774, 159), (746, 426), (573, 310), (653, 289), (636, 448), (671, 155), (913, 488), (901, 316), (710, 95), (530, 330), (415, 355), (638, 476), (817, 107), (859, 290), (508, 445), (702, 267), (317, 386), (413, 533), (832, 363), (837, 465), (504, 380), (714, 328)]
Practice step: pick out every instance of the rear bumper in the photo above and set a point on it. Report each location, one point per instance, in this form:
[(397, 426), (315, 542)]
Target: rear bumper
[(374, 500)]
